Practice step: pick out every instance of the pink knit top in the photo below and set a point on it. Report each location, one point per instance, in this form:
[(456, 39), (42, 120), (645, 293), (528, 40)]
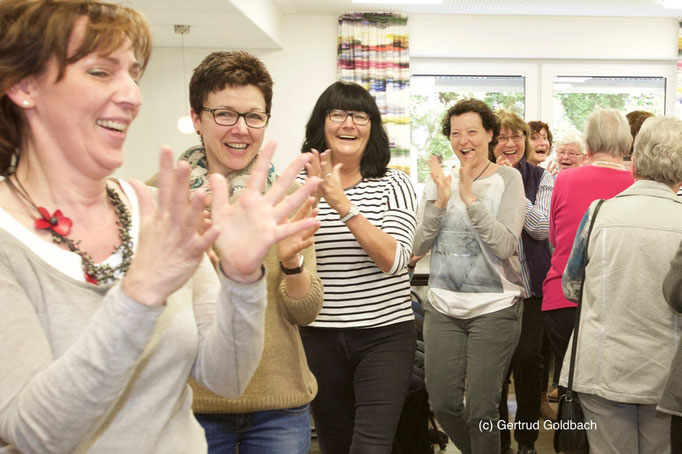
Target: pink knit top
[(574, 190)]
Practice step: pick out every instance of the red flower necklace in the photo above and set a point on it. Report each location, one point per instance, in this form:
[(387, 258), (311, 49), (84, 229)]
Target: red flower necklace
[(60, 227)]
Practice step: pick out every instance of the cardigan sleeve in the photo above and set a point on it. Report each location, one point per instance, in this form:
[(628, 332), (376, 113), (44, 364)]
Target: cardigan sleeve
[(672, 284), (49, 404), (231, 330), (303, 311)]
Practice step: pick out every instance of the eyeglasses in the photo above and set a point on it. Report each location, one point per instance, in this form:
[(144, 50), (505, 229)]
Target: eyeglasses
[(570, 154), (229, 117), (339, 116), (516, 138)]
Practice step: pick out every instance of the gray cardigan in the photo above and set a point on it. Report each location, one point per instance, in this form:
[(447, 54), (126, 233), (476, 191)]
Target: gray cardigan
[(628, 334), (671, 402), (86, 368)]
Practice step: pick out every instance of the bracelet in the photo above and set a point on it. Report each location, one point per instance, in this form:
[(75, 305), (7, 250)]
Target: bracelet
[(410, 267)]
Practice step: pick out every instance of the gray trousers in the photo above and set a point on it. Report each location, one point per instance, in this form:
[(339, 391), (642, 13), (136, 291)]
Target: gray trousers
[(625, 428), (472, 356)]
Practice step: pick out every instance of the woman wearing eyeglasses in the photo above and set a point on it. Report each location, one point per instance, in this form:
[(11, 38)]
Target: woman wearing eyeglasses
[(361, 345), (513, 146), (230, 95)]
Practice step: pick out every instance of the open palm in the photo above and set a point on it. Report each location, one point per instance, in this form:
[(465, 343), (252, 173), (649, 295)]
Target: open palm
[(256, 221)]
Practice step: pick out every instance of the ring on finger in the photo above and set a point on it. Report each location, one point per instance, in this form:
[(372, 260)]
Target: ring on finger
[(327, 174)]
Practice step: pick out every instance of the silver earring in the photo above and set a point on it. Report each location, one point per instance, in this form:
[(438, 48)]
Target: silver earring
[(25, 103)]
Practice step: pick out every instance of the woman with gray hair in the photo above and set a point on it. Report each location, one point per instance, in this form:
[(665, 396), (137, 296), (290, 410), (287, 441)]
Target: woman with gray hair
[(570, 151), (608, 139), (628, 333)]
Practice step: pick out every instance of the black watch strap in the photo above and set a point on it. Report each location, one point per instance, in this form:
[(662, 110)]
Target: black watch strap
[(289, 271)]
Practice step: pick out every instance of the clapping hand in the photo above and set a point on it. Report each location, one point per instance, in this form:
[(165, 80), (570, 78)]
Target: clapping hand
[(443, 183), (291, 246), (172, 238), (250, 226)]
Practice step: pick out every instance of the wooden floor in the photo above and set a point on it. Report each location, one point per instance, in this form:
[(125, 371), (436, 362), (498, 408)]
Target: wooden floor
[(543, 445)]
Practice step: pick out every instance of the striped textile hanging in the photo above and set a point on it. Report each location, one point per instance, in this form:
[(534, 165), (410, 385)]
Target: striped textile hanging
[(373, 52)]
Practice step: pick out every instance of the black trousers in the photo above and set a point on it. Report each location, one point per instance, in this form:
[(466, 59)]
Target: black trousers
[(676, 434), (559, 325), (363, 377), (526, 368)]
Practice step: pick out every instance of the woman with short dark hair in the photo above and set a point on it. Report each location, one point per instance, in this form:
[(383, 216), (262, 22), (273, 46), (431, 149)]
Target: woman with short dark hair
[(471, 220), (361, 345)]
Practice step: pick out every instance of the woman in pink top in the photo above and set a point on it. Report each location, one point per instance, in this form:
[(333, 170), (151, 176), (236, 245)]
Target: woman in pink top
[(608, 140)]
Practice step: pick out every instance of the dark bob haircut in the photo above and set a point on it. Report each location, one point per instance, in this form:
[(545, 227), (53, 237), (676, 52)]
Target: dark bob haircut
[(350, 96), (488, 118)]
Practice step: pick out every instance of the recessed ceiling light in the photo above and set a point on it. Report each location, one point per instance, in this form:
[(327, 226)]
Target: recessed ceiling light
[(672, 4), (403, 2)]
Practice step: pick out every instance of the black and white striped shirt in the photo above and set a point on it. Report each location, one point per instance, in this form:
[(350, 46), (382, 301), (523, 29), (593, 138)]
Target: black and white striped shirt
[(357, 294)]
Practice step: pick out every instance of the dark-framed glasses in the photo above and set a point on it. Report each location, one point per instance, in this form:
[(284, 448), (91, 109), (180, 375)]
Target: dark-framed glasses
[(229, 117), (339, 116)]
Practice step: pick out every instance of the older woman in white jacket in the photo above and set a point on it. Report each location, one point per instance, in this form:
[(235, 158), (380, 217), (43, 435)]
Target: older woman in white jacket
[(628, 334)]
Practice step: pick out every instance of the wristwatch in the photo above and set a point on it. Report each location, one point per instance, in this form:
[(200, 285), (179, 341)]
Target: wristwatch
[(354, 211), (290, 271)]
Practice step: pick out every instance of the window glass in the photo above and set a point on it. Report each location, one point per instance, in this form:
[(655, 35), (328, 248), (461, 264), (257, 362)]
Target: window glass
[(576, 97), (432, 95)]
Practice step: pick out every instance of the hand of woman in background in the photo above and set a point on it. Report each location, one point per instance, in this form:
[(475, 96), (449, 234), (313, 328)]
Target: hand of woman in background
[(172, 238), (290, 246), (312, 168), (466, 180), (332, 189), (250, 226), (443, 183), (501, 160), (552, 167)]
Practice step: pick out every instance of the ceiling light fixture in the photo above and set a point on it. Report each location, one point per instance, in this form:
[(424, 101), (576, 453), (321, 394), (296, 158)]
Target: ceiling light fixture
[(403, 2), (672, 4), (185, 124)]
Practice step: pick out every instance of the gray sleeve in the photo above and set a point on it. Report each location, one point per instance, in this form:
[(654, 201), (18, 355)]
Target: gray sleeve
[(428, 221), (502, 233), (231, 332), (672, 284), (50, 405)]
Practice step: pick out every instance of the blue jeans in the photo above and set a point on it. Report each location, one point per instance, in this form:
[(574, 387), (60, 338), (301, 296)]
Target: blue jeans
[(262, 432), (362, 376)]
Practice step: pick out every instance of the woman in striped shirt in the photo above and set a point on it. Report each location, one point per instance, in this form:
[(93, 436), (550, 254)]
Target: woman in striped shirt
[(361, 346)]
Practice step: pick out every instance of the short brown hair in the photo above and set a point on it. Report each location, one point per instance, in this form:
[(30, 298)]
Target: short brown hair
[(636, 119), (234, 69), (536, 127), (34, 31), (488, 118)]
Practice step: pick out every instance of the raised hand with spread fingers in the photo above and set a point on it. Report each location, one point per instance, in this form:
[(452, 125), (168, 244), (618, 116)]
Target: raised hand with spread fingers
[(250, 226)]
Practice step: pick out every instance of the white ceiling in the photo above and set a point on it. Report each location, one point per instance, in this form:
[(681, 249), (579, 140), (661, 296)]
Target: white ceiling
[(219, 24), (637, 8)]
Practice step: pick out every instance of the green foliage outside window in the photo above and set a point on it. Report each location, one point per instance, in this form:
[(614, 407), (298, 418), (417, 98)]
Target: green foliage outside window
[(426, 114)]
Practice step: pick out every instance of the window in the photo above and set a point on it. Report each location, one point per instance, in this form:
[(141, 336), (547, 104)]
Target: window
[(432, 95), (576, 97)]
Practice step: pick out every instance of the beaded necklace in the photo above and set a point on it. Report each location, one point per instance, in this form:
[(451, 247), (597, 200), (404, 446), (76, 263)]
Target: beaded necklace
[(60, 227)]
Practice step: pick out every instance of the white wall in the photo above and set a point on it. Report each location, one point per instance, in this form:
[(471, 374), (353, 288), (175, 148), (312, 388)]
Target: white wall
[(301, 71), (306, 65)]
